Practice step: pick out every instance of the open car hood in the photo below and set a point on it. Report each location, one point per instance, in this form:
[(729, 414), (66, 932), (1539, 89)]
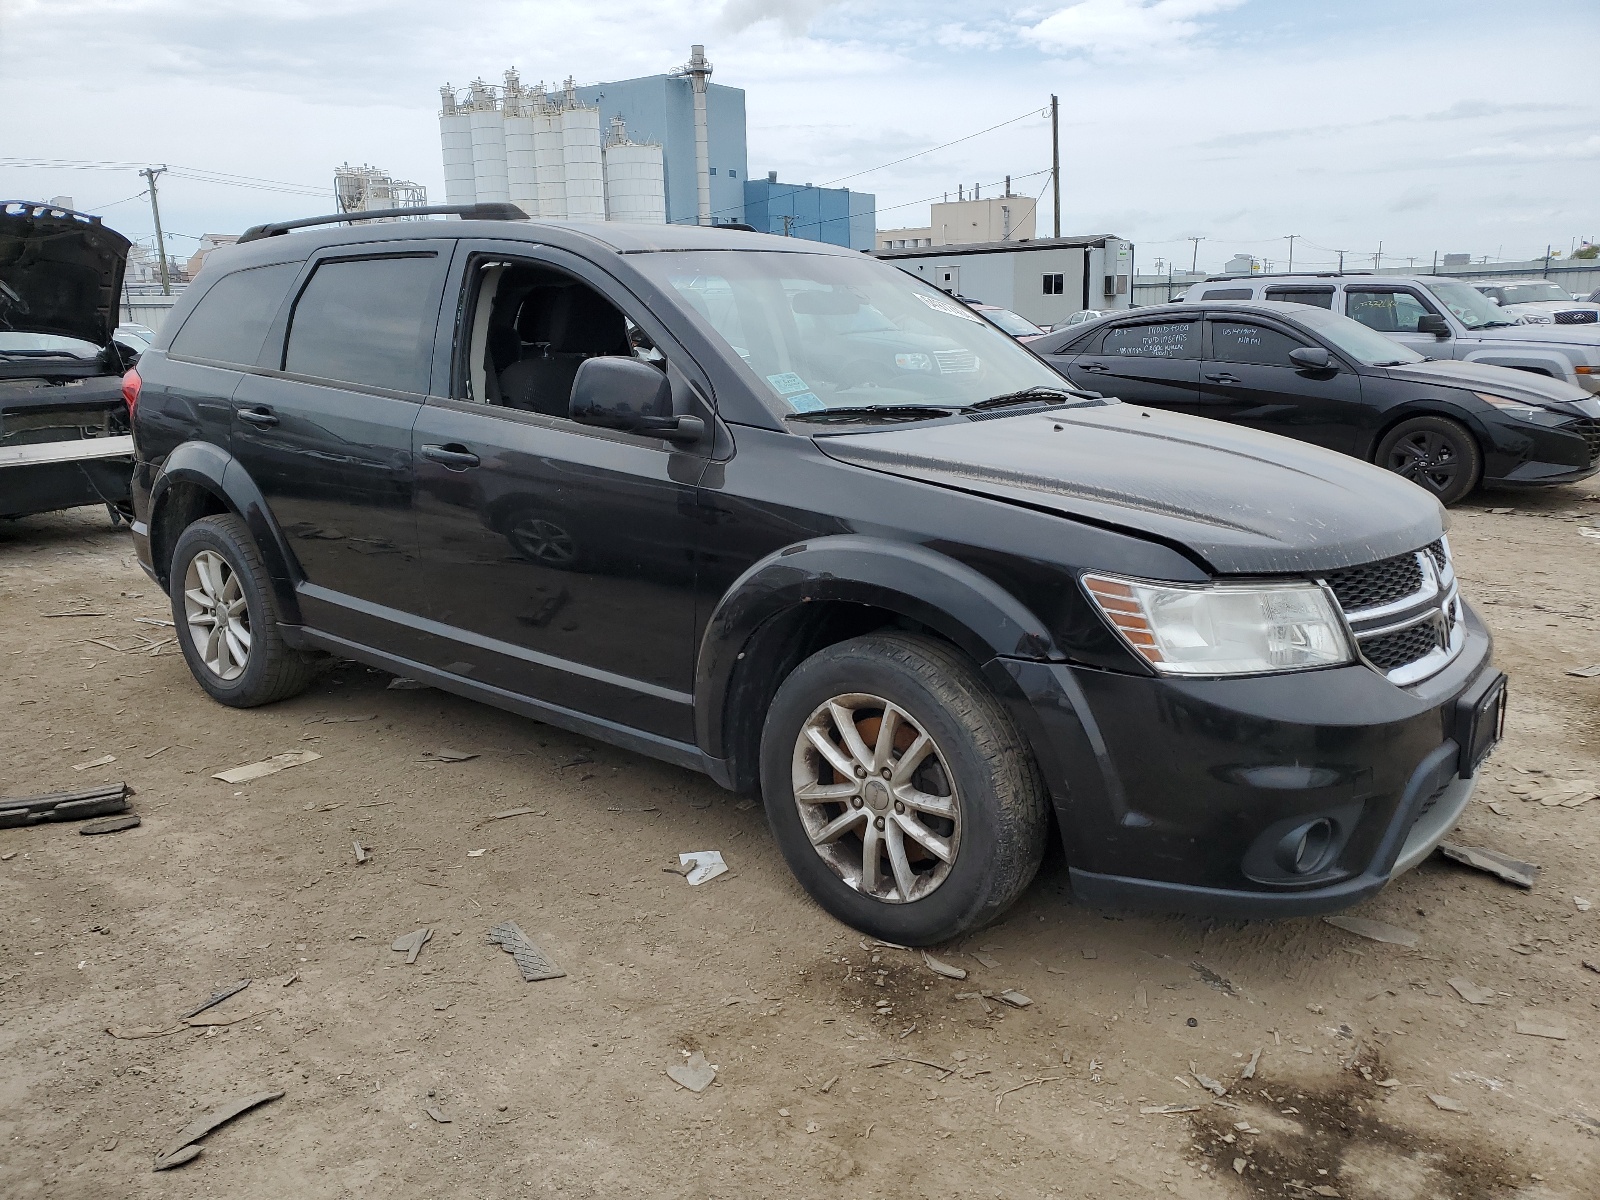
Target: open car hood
[(61, 271), (1245, 502)]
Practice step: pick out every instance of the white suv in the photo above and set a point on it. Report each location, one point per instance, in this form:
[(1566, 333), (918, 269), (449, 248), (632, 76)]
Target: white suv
[(1442, 318), (1540, 302)]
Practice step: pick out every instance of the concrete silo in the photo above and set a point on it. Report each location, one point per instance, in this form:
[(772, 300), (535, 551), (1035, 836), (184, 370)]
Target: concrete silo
[(522, 179), (548, 157), (580, 153), (455, 138), (488, 144), (635, 178)]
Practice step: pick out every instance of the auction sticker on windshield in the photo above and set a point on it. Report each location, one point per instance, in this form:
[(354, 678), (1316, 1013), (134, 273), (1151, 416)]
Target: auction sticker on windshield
[(787, 382), (806, 402), (940, 304)]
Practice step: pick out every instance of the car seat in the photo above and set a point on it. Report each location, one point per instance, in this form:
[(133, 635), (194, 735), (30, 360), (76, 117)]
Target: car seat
[(559, 327)]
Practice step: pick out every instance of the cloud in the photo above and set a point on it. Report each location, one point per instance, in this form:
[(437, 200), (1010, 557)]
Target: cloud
[(794, 15), (1122, 28)]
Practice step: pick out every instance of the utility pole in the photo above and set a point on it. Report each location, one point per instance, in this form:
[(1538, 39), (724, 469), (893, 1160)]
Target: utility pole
[(1377, 259), (1194, 261), (1291, 238), (788, 224), (1341, 254), (1055, 158), (150, 174), (1547, 261), (1435, 270)]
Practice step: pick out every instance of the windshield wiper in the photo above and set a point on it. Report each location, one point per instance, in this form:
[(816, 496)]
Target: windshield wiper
[(1025, 396), (893, 412)]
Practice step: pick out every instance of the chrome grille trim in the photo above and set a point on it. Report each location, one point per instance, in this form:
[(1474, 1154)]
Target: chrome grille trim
[(1435, 603)]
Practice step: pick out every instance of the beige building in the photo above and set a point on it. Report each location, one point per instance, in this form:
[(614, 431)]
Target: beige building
[(1005, 218)]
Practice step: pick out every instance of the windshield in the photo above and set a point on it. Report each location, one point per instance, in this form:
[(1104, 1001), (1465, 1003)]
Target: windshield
[(46, 343), (1355, 340), (1532, 293), (1013, 324), (1471, 307), (821, 332)]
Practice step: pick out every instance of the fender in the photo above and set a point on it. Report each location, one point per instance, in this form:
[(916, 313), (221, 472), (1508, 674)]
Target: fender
[(1426, 406), (1547, 362), (908, 579), (211, 467)]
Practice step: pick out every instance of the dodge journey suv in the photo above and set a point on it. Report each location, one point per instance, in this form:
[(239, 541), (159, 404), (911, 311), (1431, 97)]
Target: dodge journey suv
[(934, 605)]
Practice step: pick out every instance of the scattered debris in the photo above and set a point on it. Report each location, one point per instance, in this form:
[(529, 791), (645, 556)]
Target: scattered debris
[(512, 812), (1239, 1165), (1249, 1071), (202, 1022), (1498, 512), (1581, 904), (363, 855), (1024, 1084), (110, 825), (577, 760), (1471, 992), (1593, 966), (1533, 1029), (105, 760), (705, 865), (477, 853), (267, 766), (921, 1062), (162, 750), (340, 720), (1167, 1110), (411, 944), (437, 1115), (939, 967), (744, 805), (293, 977), (531, 960), (81, 613), (1217, 981), (828, 1087), (1446, 1104), (124, 1034), (64, 806), (1377, 931), (1091, 955), (445, 754), (1566, 793), (1499, 865), (1014, 998), (401, 683), (694, 1073), (183, 1149), (216, 997), (986, 960), (1586, 672), (1215, 1087)]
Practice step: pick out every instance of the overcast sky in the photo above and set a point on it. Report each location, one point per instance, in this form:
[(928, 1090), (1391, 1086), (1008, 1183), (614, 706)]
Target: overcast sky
[(1428, 125)]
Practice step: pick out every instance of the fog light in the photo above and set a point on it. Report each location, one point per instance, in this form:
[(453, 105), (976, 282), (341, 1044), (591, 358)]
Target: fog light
[(1304, 848)]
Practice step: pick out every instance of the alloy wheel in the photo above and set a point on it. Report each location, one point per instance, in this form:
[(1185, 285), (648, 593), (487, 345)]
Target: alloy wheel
[(876, 798), (1427, 458), (218, 617)]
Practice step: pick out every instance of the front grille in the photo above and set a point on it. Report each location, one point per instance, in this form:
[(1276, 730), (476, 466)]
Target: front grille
[(1377, 583), (1436, 552), (1577, 316), (953, 362), (1589, 430), (1401, 648)]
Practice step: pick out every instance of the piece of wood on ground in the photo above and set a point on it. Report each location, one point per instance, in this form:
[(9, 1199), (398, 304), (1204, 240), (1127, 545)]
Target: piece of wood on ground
[(1491, 862), (1471, 992), (110, 825), (105, 760), (411, 944), (534, 964), (513, 812), (216, 997), (694, 1073), (267, 766), (1377, 931), (1026, 1083), (1166, 1110), (363, 855), (182, 1148)]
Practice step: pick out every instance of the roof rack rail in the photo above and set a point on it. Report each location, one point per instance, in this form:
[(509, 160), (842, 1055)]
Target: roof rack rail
[(1281, 275), (490, 211)]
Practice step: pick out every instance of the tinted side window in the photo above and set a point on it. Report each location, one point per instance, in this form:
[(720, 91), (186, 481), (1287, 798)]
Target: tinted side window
[(1228, 294), (1321, 297), (1386, 312), (1242, 342), (1169, 339), (368, 321), (231, 320)]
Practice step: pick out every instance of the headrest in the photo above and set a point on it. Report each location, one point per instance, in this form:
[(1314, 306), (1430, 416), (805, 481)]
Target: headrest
[(572, 319)]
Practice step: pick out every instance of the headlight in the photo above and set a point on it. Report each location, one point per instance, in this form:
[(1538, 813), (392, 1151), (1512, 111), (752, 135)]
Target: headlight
[(1531, 319), (1224, 629), (1516, 408), (913, 362)]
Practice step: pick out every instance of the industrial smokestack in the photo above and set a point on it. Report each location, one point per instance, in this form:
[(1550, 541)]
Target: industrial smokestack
[(698, 71)]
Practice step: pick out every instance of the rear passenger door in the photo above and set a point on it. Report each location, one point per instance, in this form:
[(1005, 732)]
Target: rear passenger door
[(323, 427), (1249, 379), (1154, 362)]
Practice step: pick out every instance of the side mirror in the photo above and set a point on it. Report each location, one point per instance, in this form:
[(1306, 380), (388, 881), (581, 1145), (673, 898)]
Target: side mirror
[(623, 393), (1433, 323), (1312, 358)]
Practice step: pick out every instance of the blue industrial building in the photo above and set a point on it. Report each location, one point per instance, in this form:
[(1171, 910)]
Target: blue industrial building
[(660, 108), (835, 215)]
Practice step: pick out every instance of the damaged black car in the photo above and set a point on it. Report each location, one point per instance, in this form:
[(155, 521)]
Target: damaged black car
[(64, 437)]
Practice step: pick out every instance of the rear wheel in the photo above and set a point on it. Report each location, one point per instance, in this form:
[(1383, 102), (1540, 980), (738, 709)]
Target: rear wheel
[(900, 791), (1435, 453), (227, 617)]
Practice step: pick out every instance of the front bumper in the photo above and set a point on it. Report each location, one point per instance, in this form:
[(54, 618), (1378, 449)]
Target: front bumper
[(1175, 794)]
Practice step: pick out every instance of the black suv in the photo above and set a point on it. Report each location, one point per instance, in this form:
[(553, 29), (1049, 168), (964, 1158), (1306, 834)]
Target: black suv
[(928, 601)]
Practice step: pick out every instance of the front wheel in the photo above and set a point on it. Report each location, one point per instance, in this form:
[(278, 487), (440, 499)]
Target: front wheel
[(900, 791), (1435, 453)]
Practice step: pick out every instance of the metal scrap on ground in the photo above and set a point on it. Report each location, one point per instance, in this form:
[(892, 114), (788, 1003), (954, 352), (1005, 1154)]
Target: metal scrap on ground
[(706, 865), (694, 1073), (1377, 931), (531, 961), (64, 806), (182, 1149), (267, 766), (1499, 865), (411, 944), (216, 997)]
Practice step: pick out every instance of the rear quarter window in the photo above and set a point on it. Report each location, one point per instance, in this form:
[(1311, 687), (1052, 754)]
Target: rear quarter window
[(367, 321), (1228, 294), (1321, 297), (230, 322)]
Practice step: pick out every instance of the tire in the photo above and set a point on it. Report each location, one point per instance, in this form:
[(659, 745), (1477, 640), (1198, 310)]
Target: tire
[(1435, 453), (979, 764), (270, 670)]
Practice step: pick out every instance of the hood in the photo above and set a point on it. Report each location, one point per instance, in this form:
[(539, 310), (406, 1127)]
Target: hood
[(1502, 381), (1550, 306), (62, 272), (1243, 501), (1588, 335)]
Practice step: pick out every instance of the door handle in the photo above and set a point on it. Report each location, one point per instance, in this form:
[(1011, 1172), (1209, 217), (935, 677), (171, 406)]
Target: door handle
[(1223, 378), (261, 418), (455, 457), (1093, 366)]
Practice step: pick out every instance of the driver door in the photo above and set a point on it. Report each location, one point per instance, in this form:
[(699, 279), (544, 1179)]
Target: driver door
[(1394, 312)]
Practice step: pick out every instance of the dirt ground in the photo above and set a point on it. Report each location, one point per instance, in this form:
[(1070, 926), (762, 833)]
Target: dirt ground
[(844, 1069)]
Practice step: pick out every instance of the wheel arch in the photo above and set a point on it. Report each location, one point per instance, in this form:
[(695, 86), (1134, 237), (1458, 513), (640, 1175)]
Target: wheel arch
[(200, 479), (1427, 406), (802, 598)]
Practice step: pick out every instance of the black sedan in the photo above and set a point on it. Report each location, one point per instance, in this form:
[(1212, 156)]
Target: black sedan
[(1310, 374)]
